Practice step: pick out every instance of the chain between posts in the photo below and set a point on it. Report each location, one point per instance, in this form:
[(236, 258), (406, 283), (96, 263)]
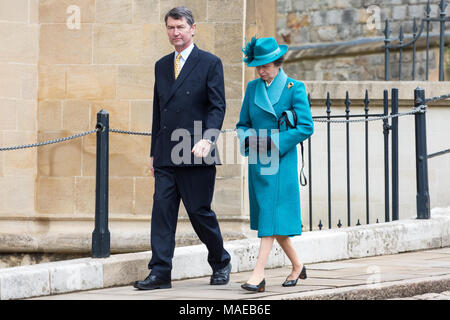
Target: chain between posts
[(39, 144), (130, 132), (415, 110), (443, 97), (418, 109), (79, 135)]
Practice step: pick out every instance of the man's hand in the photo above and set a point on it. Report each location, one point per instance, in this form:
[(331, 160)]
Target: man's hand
[(151, 167), (201, 148)]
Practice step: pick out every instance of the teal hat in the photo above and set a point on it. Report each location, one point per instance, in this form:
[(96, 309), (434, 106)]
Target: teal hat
[(263, 50)]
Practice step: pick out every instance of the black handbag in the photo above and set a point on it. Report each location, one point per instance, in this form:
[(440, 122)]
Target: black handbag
[(288, 120)]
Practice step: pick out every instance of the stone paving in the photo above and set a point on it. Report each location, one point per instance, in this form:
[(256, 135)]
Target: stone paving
[(428, 296), (418, 275)]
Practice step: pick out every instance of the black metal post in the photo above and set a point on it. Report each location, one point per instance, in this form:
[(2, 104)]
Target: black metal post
[(328, 103), (387, 40), (366, 135), (414, 50), (423, 197), (442, 6), (428, 39), (395, 195), (401, 37), (310, 174), (100, 235), (386, 128), (347, 129)]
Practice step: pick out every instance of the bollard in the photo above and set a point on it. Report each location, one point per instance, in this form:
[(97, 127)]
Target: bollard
[(423, 197), (100, 235)]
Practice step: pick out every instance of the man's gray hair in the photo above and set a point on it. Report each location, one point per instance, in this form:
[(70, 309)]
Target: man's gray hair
[(180, 12)]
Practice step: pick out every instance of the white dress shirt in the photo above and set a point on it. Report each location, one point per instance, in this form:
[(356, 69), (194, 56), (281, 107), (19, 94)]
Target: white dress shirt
[(184, 55)]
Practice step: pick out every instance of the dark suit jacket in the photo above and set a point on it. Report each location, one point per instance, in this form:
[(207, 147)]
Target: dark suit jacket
[(198, 94)]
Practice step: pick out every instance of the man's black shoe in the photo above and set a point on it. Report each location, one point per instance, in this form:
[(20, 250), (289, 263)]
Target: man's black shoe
[(221, 276), (152, 282)]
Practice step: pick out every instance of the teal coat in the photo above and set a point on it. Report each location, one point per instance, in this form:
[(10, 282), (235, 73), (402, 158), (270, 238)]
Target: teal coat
[(273, 178)]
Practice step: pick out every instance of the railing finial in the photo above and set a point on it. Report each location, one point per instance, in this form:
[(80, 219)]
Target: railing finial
[(443, 5), (387, 29)]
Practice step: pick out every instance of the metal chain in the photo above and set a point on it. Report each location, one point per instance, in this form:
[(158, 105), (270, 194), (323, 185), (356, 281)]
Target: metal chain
[(415, 110), (130, 132), (443, 97), (418, 109), (228, 130), (149, 133), (38, 144)]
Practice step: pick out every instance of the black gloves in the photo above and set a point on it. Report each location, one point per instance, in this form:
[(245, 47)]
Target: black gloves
[(260, 144)]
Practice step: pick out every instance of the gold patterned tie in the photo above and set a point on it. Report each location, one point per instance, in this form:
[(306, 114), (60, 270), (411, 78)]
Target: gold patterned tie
[(177, 65)]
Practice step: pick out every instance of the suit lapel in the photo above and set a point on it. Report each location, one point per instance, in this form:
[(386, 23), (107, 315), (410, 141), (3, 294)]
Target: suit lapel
[(168, 77), (190, 63), (170, 62)]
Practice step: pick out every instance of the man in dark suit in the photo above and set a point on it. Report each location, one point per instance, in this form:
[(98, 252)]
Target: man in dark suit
[(188, 102)]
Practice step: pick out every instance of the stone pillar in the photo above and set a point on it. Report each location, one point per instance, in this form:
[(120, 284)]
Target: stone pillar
[(19, 40)]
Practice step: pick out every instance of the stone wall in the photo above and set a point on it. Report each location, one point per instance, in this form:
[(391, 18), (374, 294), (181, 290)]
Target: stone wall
[(109, 63), (327, 21), (19, 40), (63, 61)]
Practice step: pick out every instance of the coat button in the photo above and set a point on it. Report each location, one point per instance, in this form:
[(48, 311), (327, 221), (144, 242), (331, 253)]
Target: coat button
[(164, 127), (165, 110), (187, 92), (178, 110)]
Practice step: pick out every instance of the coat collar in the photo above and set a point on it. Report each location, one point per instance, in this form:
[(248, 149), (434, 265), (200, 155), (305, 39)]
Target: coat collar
[(276, 87), (266, 98)]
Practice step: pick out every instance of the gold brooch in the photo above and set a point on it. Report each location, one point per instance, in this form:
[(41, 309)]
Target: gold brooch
[(290, 85)]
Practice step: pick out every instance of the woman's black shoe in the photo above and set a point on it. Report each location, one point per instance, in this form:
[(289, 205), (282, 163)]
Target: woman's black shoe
[(292, 283), (261, 287)]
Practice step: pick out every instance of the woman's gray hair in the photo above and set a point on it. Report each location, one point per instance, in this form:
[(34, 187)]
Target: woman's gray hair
[(180, 12), (279, 61)]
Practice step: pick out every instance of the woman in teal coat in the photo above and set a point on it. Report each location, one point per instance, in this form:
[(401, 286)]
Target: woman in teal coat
[(274, 118)]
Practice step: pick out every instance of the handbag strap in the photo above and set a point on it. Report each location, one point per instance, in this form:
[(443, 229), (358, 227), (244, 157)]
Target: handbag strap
[(303, 181), (284, 119)]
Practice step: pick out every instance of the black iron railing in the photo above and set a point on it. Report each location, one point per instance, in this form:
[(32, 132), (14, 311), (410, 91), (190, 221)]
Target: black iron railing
[(347, 119), (391, 183), (417, 33)]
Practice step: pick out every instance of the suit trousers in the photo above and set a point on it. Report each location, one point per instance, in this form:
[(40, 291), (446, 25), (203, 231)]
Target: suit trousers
[(194, 185)]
